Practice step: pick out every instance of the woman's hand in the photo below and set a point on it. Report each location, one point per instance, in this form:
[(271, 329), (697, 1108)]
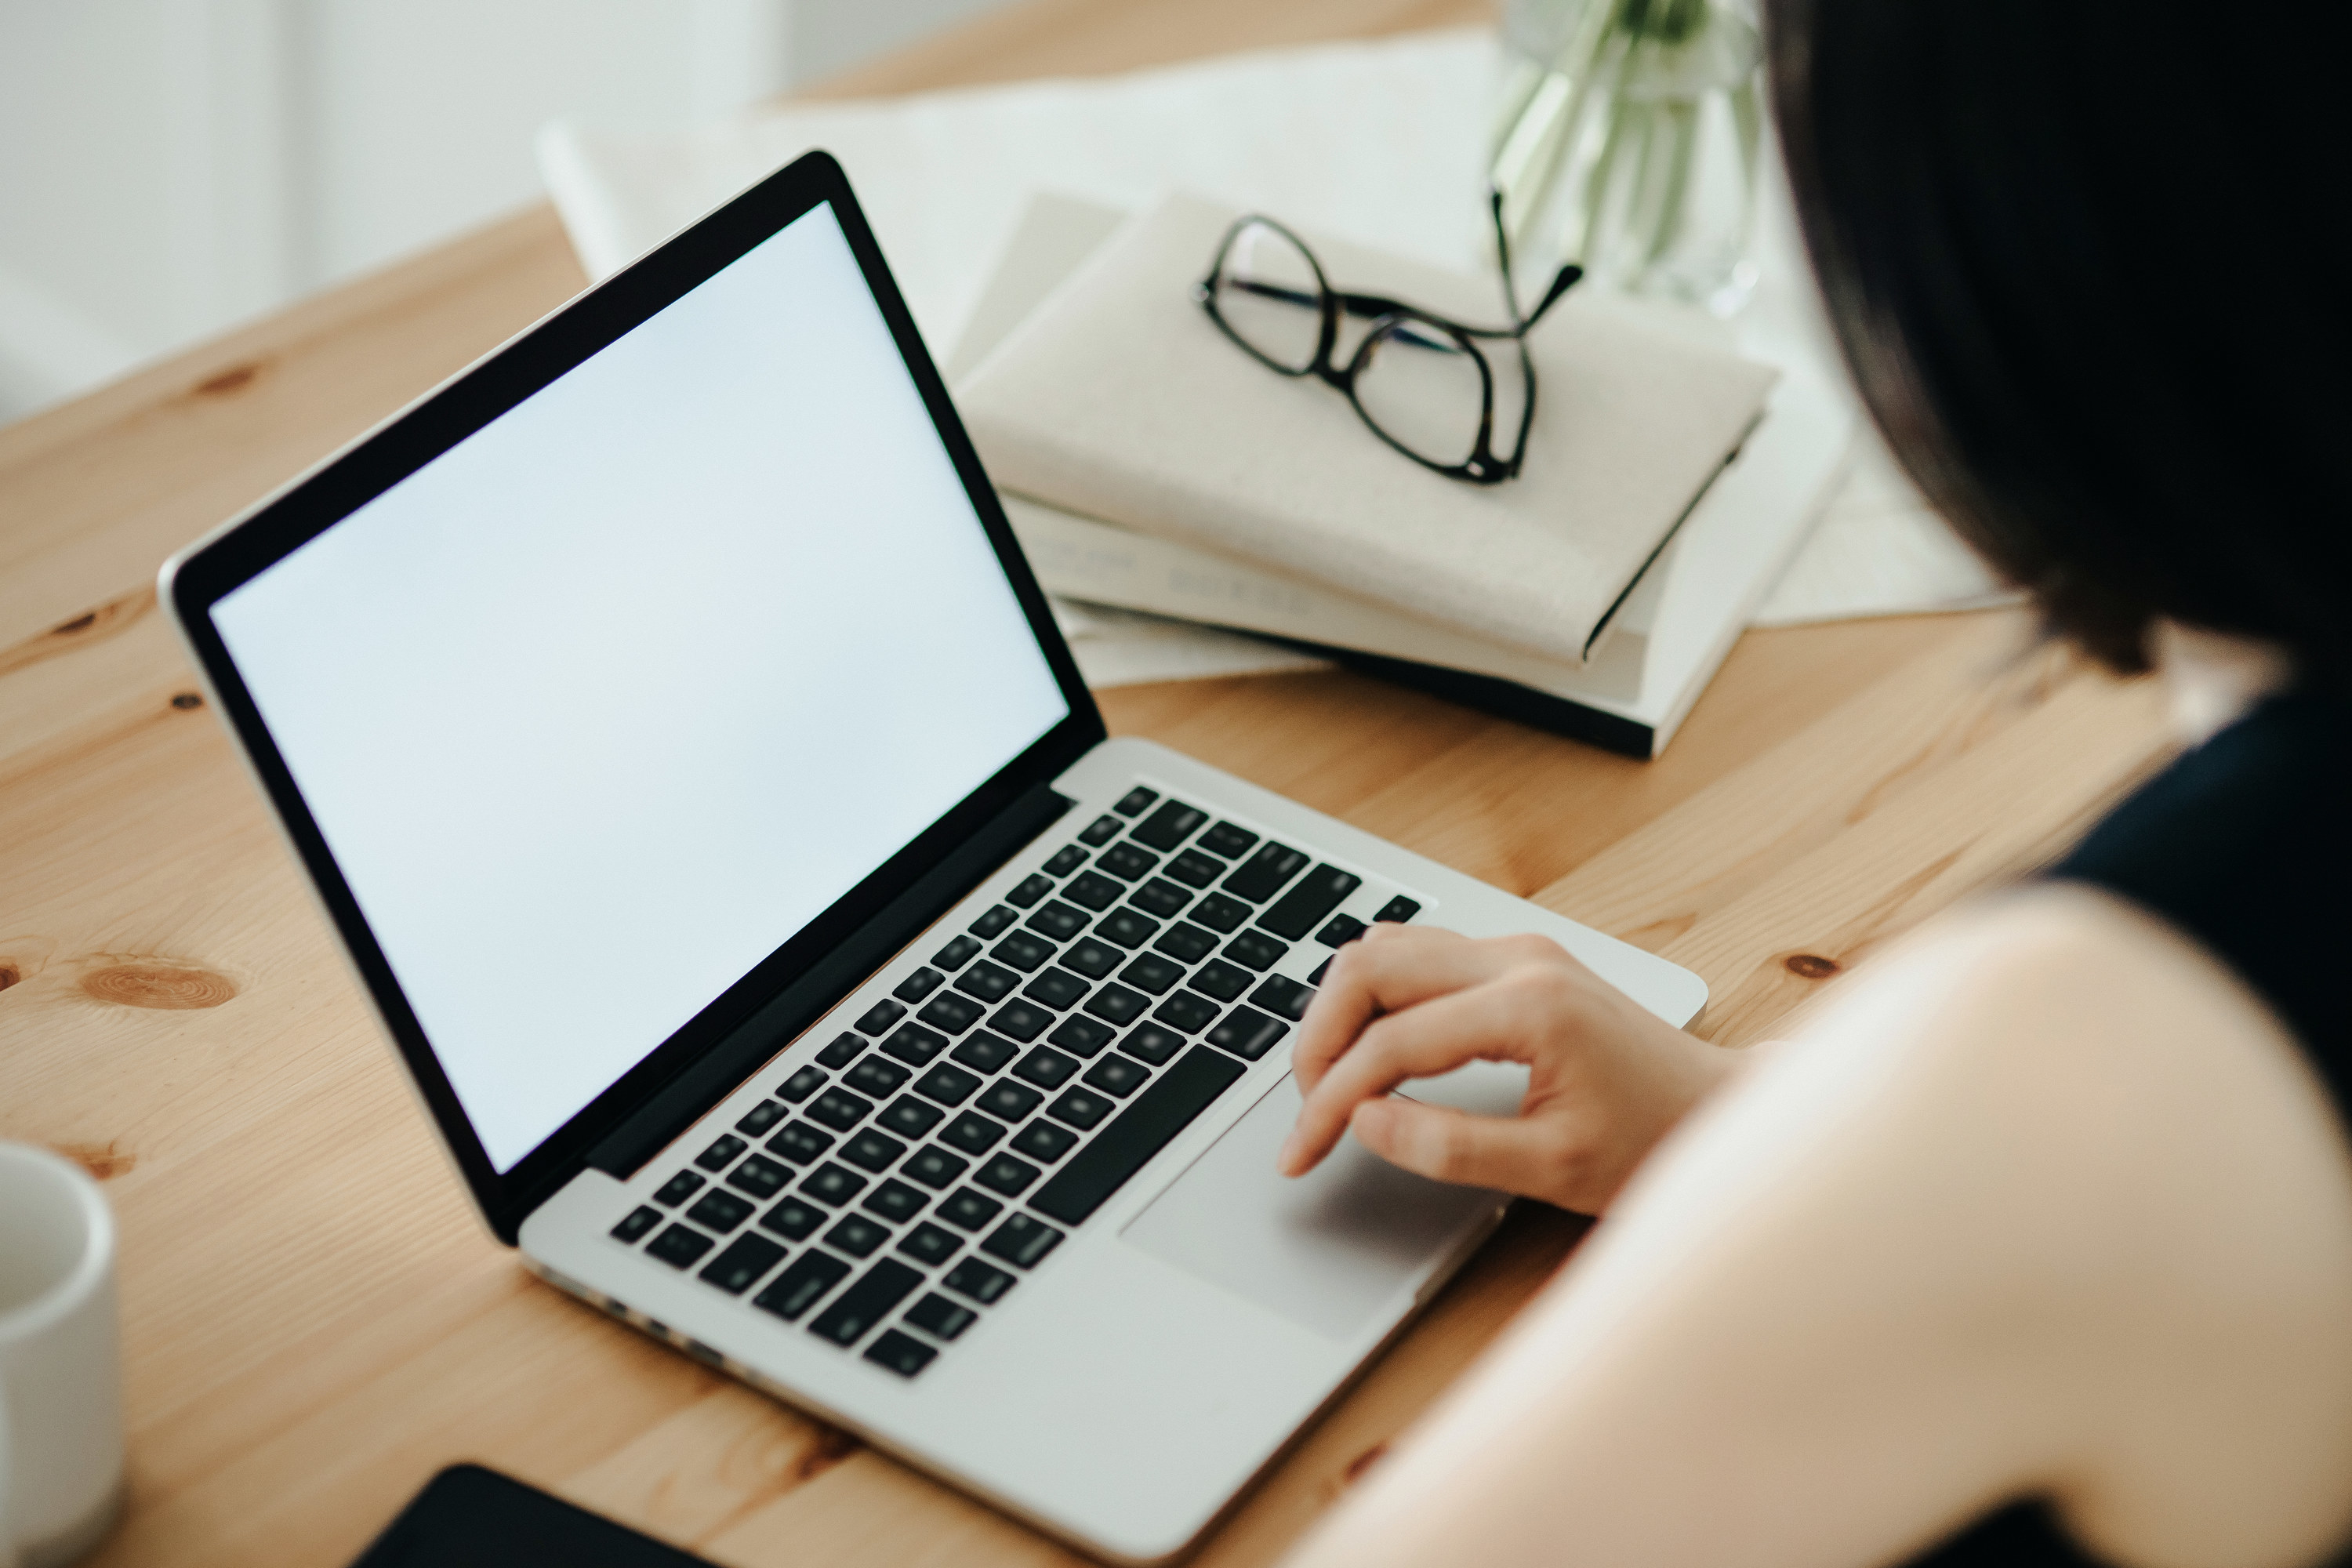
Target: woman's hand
[(1608, 1078)]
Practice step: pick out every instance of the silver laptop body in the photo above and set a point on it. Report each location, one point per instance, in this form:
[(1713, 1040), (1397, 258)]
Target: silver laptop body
[(795, 970)]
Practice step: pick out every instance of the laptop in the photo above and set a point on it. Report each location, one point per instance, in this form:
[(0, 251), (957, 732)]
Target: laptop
[(793, 969)]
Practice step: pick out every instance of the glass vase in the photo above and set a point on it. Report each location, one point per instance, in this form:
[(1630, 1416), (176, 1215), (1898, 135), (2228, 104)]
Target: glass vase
[(1628, 141)]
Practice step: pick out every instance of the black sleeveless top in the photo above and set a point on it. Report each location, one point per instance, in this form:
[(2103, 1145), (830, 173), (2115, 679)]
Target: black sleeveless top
[(2244, 845)]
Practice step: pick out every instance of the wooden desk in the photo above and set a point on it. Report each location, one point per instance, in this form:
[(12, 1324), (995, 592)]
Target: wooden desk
[(313, 1319)]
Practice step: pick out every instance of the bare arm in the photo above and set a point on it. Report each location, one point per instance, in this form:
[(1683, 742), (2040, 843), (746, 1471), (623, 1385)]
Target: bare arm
[(2043, 1204)]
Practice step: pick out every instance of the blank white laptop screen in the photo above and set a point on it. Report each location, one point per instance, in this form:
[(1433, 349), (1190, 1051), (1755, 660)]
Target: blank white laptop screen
[(609, 700)]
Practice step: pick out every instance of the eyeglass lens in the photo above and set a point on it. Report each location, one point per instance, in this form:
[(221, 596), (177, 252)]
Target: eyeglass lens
[(1268, 294), (1420, 386)]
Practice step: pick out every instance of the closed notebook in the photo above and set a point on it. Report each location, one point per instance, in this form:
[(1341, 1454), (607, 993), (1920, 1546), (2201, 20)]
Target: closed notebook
[(1119, 399)]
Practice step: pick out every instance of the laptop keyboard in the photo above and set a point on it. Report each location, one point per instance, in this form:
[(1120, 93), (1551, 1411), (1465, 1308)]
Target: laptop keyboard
[(949, 1141)]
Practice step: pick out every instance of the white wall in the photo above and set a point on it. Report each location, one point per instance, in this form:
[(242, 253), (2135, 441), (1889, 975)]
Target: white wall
[(169, 167)]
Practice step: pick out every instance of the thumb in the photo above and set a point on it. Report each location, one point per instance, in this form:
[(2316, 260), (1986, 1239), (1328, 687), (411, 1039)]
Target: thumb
[(1508, 1153)]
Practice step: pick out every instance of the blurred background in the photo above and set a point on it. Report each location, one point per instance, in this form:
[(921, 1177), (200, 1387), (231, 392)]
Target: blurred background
[(170, 167)]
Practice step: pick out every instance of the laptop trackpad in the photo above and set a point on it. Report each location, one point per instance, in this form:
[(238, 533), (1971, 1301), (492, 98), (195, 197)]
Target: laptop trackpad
[(1327, 1251)]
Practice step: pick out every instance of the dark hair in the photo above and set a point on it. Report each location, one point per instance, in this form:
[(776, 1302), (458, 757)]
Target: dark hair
[(2087, 262)]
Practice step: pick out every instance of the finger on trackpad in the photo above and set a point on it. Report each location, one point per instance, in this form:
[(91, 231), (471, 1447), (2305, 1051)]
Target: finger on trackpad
[(1328, 1250)]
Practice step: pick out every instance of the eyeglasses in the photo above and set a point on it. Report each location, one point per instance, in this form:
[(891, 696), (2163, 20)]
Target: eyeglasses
[(1419, 379)]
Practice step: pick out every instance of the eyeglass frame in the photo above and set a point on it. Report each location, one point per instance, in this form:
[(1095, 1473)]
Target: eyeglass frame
[(1483, 466)]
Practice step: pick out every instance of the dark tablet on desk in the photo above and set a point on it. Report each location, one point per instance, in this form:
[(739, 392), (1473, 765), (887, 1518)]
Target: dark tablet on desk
[(467, 1517)]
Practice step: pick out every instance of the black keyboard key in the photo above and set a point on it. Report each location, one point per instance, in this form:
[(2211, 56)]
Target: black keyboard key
[(866, 1303), (940, 1317), (1222, 979), (1398, 910), (1159, 897), (1022, 1021), (1007, 1176), (840, 1109), (678, 1247), (1195, 870), (1031, 889), (1247, 1033), (1256, 949), (1043, 1141), (976, 1279), (935, 1168), (1320, 971), (1128, 863), (1066, 859), (793, 1219), (1056, 922), (678, 1189), (1227, 840), (1262, 875), (746, 1259), (760, 1176), (973, 1132), (928, 1244), (1132, 803), (1152, 973), (806, 1082), (956, 954), (990, 926), (800, 1142), (875, 1077), (872, 1151), (1151, 1043), (914, 1045), (1172, 823), (985, 1052), (842, 1052), (881, 1015), (1127, 928), (946, 1083), (1311, 899), (1339, 931), (895, 1201), (1082, 1037), (1136, 1134), (968, 1209), (902, 1353), (721, 1155), (1117, 1076), (1100, 831), (1022, 1241), (1185, 942), (631, 1228), (832, 1184), (756, 1121), (857, 1235), (1058, 988), (989, 982), (1187, 1011), (1045, 1067), (720, 1211), (802, 1284), (909, 1117), (1010, 1100), (1221, 913), (1093, 889), (1023, 951), (950, 1014), (1093, 958), (1081, 1107), (1286, 997), (917, 985), (1115, 1005)]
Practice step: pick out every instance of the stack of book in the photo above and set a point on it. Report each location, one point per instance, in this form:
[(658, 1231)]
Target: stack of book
[(1147, 464)]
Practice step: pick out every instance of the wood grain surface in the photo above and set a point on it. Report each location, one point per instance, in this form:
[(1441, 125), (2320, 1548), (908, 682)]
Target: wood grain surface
[(313, 1319)]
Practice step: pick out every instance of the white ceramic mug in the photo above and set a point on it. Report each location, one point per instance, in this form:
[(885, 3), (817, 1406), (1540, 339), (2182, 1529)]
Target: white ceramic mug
[(60, 1375)]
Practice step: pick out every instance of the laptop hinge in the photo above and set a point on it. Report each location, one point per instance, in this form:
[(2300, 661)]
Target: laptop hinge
[(650, 1129)]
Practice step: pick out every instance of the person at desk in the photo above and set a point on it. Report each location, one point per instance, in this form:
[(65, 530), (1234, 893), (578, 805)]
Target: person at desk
[(2034, 1243)]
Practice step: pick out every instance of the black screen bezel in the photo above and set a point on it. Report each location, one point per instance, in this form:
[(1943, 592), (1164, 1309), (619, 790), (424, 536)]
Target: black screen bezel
[(195, 582)]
